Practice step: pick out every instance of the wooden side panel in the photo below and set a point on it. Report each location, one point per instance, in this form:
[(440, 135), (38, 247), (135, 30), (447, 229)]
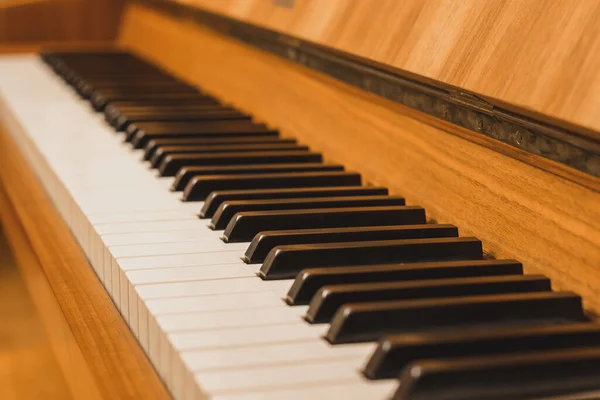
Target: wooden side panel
[(550, 224), (543, 55), (91, 330)]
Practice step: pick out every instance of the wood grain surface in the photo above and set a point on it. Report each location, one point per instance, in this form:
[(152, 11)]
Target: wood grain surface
[(542, 55), (29, 369), (91, 339), (27, 21), (549, 223)]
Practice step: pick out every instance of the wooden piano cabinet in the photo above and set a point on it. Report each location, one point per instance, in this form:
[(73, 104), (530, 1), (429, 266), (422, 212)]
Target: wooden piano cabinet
[(96, 351), (541, 55), (519, 211)]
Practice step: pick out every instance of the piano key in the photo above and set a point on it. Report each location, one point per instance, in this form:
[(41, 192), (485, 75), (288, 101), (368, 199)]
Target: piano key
[(310, 280), (121, 117), (339, 390), (185, 174), (172, 163), (161, 152), (201, 186), (245, 225), (100, 101), (525, 375), (154, 144), (263, 242), (330, 298), (142, 131), (228, 209), (395, 352), (125, 119), (216, 198), (278, 376), (288, 260), (370, 321)]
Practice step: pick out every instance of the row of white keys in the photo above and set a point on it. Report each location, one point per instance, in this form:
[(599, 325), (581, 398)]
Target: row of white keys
[(171, 290)]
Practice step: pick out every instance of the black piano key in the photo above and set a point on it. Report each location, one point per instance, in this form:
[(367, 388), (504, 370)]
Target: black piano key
[(215, 199), (330, 298), (141, 137), (285, 262), (184, 175), (245, 225), (172, 163), (194, 127), (228, 209), (154, 144), (200, 187), (310, 280), (370, 321), (393, 353), (123, 120), (100, 101), (262, 243), (572, 373), (163, 151), (113, 110)]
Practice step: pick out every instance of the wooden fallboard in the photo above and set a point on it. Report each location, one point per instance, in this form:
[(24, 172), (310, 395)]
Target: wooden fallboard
[(548, 222), (542, 55)]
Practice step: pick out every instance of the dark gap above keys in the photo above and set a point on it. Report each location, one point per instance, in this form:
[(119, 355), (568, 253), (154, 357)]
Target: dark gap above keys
[(544, 374), (216, 198), (228, 209), (245, 225), (161, 152), (285, 262), (310, 280), (172, 163), (184, 175), (200, 187), (393, 353), (360, 322), (263, 242), (330, 298)]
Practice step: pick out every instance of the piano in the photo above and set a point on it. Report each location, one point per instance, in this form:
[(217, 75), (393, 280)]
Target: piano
[(233, 203)]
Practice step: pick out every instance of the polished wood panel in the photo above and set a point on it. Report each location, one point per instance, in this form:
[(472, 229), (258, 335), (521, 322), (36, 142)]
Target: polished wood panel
[(549, 223), (92, 336), (27, 21), (542, 55)]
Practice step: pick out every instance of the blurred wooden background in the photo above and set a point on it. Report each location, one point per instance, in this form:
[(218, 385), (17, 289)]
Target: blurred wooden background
[(27, 24)]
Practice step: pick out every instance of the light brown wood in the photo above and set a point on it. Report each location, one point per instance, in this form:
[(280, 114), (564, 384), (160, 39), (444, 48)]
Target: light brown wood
[(71, 362), (27, 21), (547, 222), (542, 55), (29, 369), (118, 368)]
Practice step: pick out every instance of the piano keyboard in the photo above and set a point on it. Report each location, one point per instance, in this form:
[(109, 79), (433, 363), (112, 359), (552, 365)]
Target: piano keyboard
[(248, 268)]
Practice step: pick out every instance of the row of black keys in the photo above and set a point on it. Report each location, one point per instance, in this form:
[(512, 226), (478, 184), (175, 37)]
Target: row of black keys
[(472, 328)]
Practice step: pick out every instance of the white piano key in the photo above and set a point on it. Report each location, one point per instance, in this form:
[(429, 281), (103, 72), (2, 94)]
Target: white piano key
[(277, 376), (140, 238), (279, 353), (160, 249), (352, 390), (212, 303), (221, 286)]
